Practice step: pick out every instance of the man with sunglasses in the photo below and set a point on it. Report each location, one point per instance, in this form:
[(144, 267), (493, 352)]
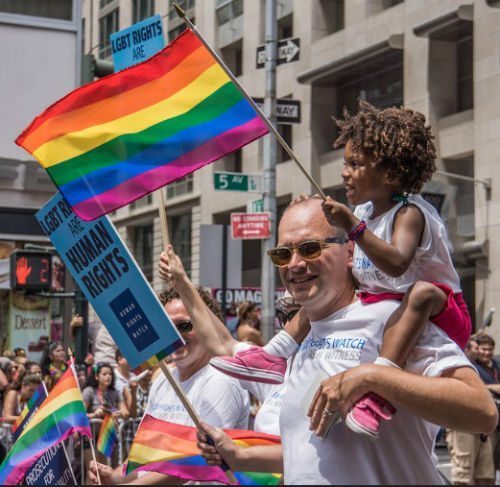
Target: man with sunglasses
[(333, 368), (217, 399)]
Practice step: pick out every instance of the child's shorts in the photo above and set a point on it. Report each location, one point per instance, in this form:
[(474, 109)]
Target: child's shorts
[(454, 319)]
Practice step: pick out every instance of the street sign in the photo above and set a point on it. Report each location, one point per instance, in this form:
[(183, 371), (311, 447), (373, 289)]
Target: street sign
[(288, 52), (249, 226), (255, 206), (287, 110), (235, 181), (137, 42)]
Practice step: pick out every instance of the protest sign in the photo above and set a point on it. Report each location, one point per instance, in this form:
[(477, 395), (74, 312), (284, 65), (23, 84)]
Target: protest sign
[(116, 288)]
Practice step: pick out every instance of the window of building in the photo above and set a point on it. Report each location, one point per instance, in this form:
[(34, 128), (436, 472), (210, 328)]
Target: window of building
[(382, 89), (180, 187), (108, 24), (390, 3), (142, 202), (465, 89), (103, 3), (234, 161), (232, 56), (227, 10), (285, 132), (142, 245), (285, 27), (142, 9), (51, 9), (180, 234), (184, 4), (451, 73), (329, 17), (177, 31)]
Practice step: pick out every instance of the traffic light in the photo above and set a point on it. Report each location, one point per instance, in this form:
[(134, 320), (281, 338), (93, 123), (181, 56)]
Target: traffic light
[(95, 68), (30, 270)]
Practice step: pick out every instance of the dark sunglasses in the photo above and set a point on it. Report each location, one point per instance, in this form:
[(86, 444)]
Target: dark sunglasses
[(308, 250), (184, 326)]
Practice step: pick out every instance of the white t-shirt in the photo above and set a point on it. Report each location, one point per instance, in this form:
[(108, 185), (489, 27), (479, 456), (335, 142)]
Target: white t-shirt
[(121, 382), (432, 262), (271, 397), (218, 399), (403, 452)]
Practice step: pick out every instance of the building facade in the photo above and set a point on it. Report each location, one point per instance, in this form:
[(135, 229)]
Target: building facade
[(40, 64), (441, 57)]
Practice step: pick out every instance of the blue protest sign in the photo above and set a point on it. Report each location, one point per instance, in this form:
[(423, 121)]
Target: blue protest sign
[(50, 469), (108, 275), (137, 42)]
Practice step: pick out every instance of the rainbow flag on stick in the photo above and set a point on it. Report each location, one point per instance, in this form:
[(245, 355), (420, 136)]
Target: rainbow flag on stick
[(61, 414), (169, 448), (35, 401), (115, 140), (107, 436)]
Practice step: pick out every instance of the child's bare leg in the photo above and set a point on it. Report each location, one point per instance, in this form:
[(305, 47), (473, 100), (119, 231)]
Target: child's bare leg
[(422, 301), (285, 343)]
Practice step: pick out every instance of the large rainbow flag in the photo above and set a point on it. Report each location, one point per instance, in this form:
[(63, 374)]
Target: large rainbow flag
[(112, 141), (61, 414), (169, 448), (107, 438)]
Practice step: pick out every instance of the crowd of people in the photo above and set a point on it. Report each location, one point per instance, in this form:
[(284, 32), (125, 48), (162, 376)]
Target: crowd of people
[(107, 388), (369, 364)]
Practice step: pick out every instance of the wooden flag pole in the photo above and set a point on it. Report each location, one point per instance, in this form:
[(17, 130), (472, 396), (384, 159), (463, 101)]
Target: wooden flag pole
[(91, 440), (269, 125), (163, 365)]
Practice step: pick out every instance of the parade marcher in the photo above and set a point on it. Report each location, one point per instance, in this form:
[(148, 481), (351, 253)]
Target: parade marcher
[(53, 363), (401, 246), (216, 398), (438, 386), (248, 326), (489, 370), (16, 398), (471, 455)]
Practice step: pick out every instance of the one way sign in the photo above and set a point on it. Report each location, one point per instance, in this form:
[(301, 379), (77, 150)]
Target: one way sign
[(288, 52)]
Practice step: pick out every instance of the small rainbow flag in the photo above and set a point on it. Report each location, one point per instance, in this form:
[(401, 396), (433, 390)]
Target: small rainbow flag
[(61, 414), (169, 448), (112, 141), (107, 436), (35, 401)]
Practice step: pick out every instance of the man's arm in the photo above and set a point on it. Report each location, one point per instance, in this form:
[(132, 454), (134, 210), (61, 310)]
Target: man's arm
[(457, 400), (210, 330)]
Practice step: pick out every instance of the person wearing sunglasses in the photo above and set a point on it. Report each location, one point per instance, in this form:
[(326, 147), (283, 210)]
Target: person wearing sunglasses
[(333, 368), (217, 399)]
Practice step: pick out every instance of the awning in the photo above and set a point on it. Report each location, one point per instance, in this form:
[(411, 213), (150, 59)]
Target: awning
[(450, 26), (373, 58)]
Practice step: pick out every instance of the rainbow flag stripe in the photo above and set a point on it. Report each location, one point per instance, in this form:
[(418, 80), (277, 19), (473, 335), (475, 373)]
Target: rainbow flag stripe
[(152, 361), (107, 436), (35, 401), (112, 141), (61, 414), (160, 446)]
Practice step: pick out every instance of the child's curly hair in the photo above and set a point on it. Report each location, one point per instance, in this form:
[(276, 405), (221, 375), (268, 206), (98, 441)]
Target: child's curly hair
[(398, 138)]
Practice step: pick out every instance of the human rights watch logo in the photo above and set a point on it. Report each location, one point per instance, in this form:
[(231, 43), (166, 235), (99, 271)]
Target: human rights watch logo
[(343, 348)]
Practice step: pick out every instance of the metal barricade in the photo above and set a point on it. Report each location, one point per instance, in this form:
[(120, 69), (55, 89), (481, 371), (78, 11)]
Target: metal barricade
[(126, 431), (6, 435)]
